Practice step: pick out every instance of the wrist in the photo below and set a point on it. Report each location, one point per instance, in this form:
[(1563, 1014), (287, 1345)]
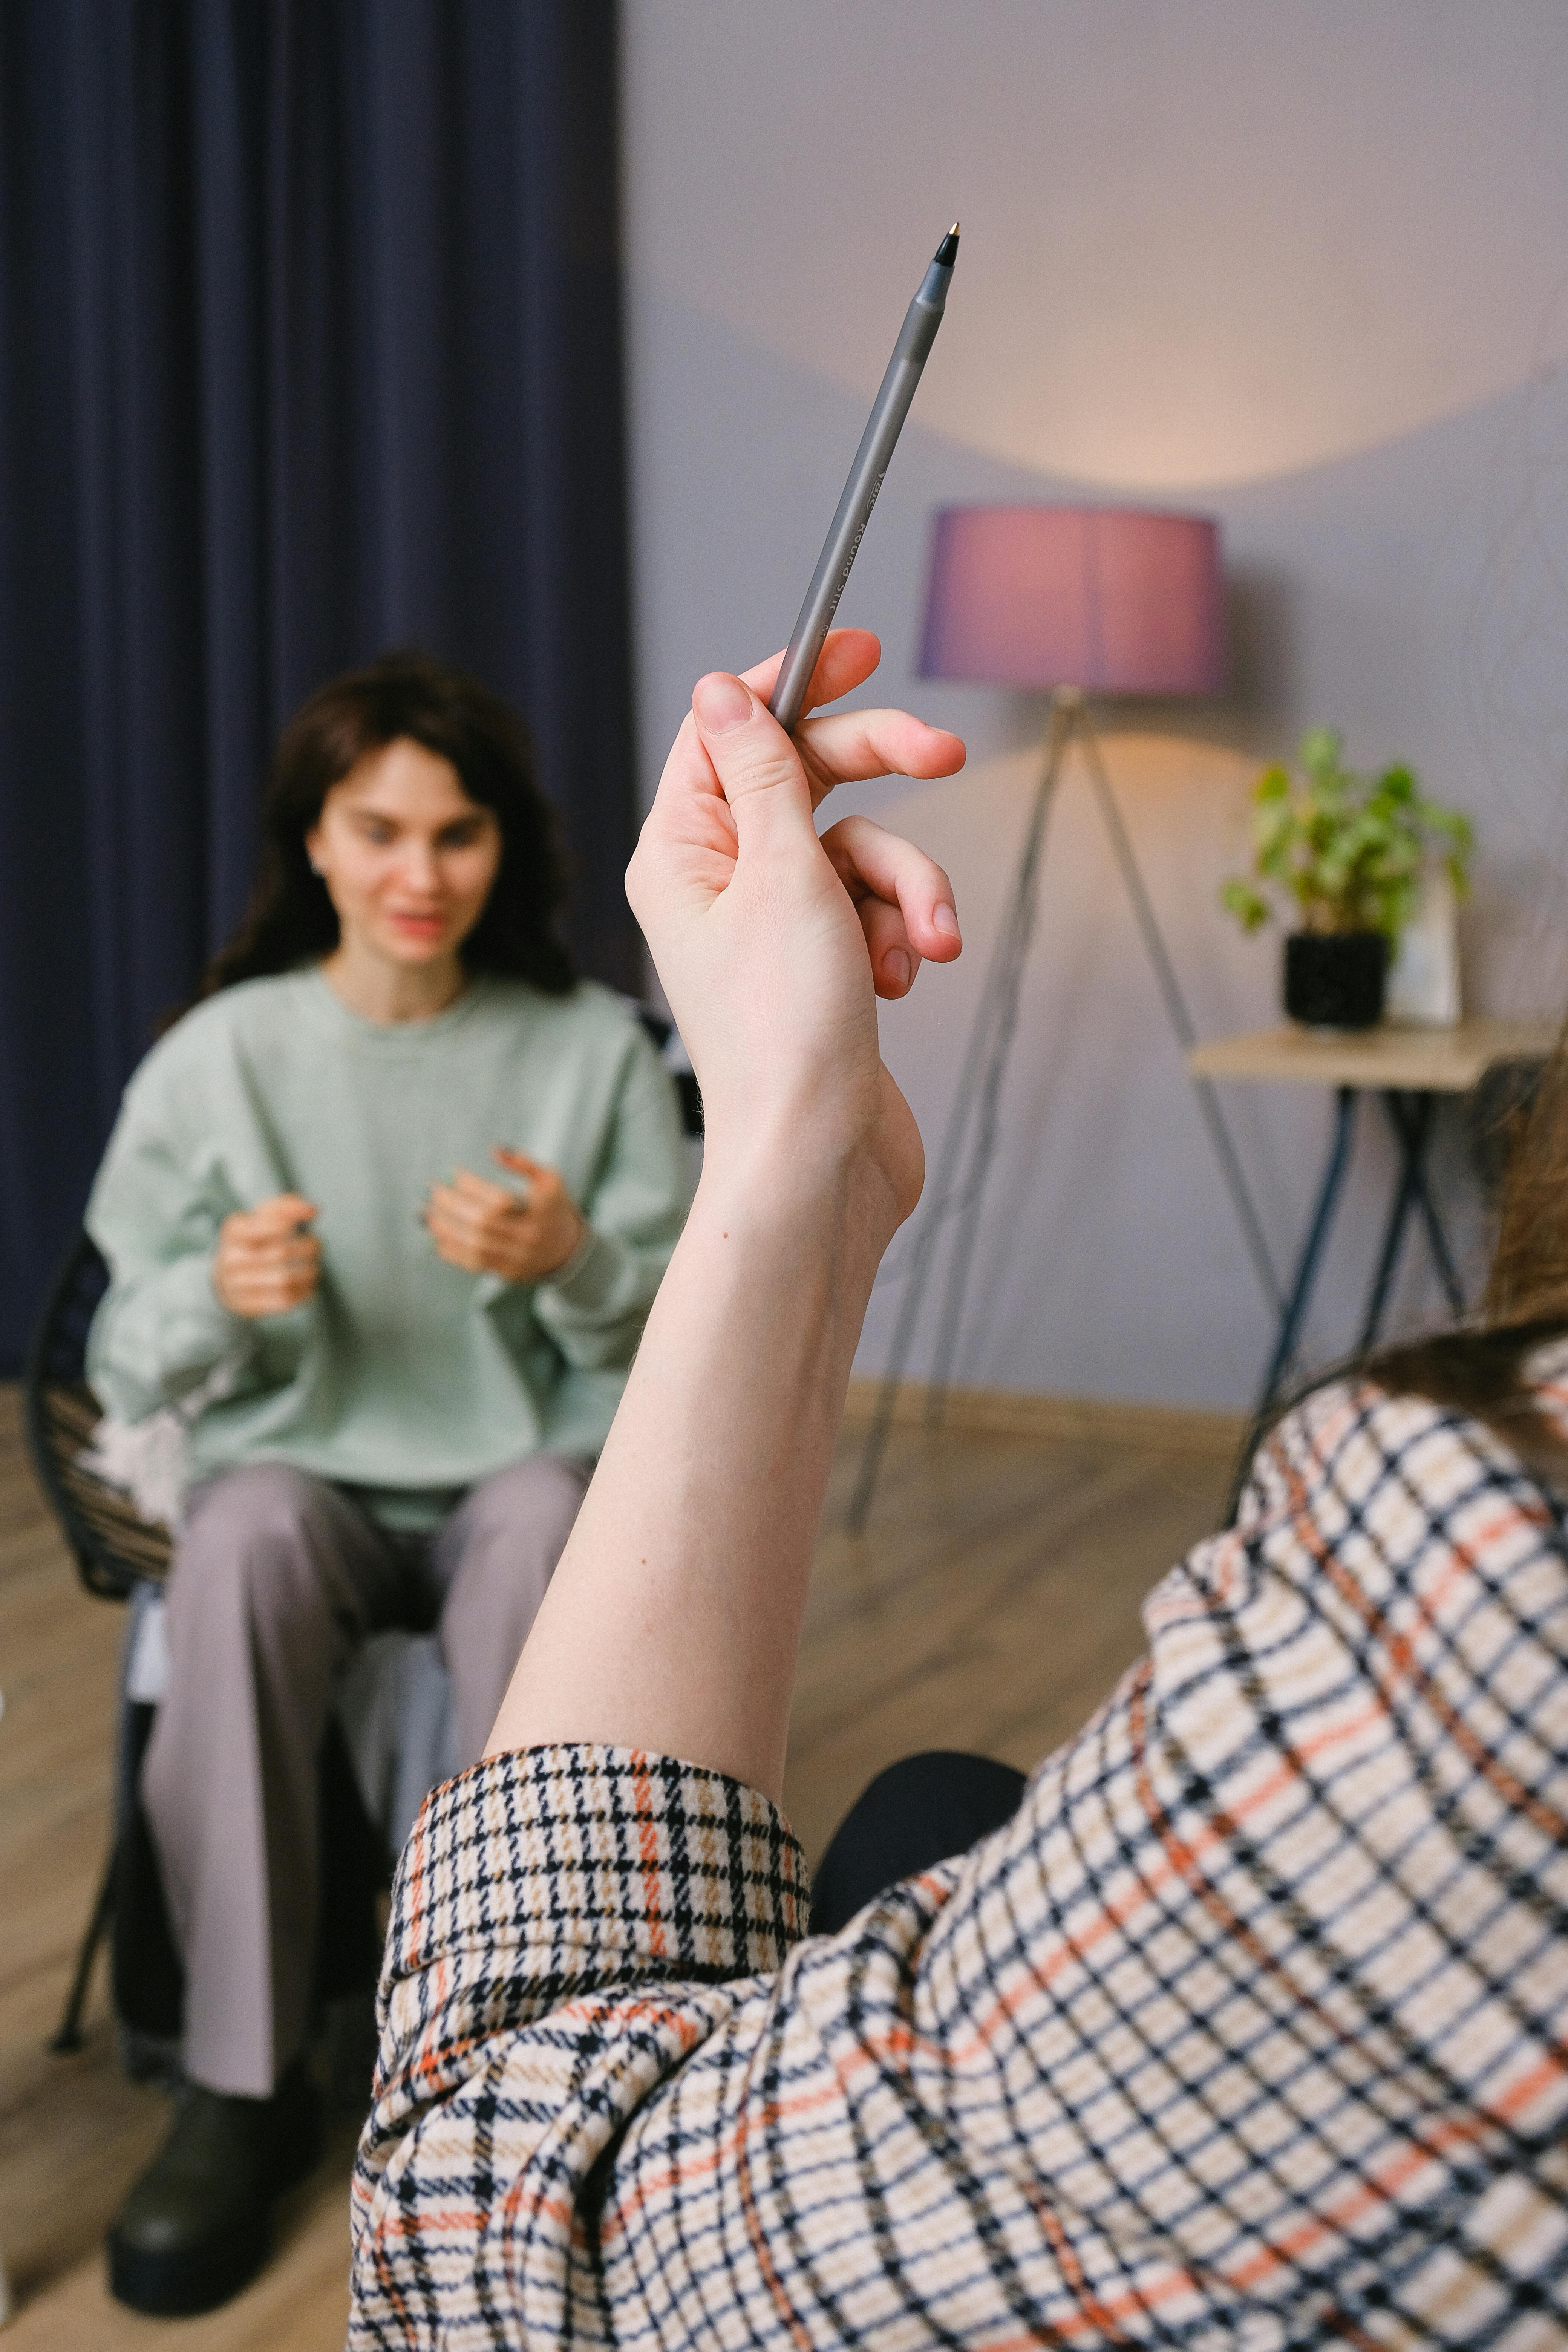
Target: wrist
[(862, 1176), (786, 1195), (576, 1253)]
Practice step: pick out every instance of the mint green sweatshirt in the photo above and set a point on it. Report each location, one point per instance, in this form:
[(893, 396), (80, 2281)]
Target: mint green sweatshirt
[(401, 1375)]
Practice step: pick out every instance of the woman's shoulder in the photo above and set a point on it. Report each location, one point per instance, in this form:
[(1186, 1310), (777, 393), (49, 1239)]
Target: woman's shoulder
[(212, 1030), (1352, 1454)]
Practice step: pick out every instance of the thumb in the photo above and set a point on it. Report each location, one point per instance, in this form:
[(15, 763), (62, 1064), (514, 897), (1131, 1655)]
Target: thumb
[(753, 759)]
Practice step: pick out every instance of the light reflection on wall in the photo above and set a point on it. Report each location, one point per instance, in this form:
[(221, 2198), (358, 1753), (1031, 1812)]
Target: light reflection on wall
[(1202, 245)]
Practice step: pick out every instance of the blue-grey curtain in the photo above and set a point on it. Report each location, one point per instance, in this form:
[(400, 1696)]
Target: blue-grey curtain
[(309, 345)]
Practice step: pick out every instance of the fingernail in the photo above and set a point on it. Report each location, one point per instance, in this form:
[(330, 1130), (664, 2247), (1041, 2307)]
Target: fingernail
[(896, 967), (720, 703), (944, 919)]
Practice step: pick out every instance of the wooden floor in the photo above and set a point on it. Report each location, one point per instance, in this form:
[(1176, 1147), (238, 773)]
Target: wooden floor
[(990, 1604)]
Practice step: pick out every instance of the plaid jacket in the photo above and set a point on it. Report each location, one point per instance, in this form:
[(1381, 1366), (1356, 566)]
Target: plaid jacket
[(1248, 2030)]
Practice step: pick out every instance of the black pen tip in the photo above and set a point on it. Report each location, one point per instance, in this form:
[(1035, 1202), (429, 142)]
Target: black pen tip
[(947, 251)]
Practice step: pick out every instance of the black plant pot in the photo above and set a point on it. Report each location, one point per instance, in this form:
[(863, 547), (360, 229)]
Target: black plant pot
[(1333, 980)]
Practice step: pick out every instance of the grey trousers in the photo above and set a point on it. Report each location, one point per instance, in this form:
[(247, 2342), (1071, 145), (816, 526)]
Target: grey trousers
[(276, 1578)]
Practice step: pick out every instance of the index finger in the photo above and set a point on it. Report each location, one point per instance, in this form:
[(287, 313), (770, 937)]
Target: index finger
[(851, 745), (847, 660), (480, 1188)]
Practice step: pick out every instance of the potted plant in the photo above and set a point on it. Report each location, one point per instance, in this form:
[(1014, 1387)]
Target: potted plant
[(1347, 853)]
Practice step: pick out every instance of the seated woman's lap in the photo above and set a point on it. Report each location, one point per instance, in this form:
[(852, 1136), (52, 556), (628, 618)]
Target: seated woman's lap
[(490, 1565), (291, 1572)]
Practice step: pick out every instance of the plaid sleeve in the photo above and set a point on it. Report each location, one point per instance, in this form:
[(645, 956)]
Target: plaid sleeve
[(1250, 2029), (565, 1923)]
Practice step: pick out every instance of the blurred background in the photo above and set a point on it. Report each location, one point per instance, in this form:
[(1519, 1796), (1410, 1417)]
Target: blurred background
[(544, 343), (1303, 268)]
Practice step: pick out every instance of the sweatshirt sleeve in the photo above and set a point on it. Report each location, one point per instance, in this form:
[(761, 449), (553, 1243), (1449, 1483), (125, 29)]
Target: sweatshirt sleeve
[(596, 1307), (154, 1212)]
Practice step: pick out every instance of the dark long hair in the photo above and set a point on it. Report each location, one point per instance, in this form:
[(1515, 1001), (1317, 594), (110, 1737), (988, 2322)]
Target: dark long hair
[(290, 917), (1482, 1367)]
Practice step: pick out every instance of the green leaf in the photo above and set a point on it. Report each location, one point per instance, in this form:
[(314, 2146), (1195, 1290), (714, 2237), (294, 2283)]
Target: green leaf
[(1347, 848), (1319, 752), (1238, 899)]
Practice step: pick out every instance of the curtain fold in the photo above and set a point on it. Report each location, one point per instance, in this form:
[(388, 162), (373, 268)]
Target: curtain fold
[(309, 345)]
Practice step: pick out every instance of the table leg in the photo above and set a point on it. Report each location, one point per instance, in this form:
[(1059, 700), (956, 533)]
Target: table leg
[(1301, 1296), (1410, 1118), (1436, 1239)]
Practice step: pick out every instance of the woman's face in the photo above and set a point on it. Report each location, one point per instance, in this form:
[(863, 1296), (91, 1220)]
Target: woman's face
[(407, 857)]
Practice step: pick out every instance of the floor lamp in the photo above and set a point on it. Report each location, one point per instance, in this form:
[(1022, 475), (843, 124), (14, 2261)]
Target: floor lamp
[(1078, 601)]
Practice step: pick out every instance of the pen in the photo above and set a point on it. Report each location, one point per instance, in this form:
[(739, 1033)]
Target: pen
[(877, 443)]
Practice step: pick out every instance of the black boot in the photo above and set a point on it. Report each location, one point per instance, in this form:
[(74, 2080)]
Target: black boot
[(197, 2226)]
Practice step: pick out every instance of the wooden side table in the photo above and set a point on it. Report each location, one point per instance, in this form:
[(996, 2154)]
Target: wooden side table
[(1409, 1067)]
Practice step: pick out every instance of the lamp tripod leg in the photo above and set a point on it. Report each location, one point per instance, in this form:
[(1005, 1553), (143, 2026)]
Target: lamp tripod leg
[(921, 1249), (987, 1051), (971, 1194), (1181, 1021)]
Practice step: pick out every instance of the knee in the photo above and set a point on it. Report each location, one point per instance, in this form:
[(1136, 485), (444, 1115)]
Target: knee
[(249, 1527), (540, 1497)]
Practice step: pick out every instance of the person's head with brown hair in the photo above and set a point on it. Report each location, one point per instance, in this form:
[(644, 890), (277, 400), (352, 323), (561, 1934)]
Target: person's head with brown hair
[(404, 697), (1483, 1367), (1529, 1280)]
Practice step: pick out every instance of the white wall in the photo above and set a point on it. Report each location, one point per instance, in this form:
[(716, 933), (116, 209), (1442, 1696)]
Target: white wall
[(1304, 267)]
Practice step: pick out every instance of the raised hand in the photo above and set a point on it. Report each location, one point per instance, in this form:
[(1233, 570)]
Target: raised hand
[(772, 944), (489, 1228), (673, 1621), (267, 1260)]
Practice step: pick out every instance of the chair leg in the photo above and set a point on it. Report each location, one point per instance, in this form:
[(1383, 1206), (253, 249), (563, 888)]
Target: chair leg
[(68, 2035)]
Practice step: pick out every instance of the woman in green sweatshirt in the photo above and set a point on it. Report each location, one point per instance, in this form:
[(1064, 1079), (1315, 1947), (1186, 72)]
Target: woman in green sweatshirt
[(388, 1209)]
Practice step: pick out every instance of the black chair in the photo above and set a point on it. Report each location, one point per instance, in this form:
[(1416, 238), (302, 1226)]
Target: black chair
[(116, 1550)]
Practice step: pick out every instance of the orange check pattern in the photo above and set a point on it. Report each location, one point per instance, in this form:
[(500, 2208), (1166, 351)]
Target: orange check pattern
[(1248, 2030)]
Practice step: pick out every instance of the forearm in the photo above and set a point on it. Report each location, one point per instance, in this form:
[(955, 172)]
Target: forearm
[(673, 1621)]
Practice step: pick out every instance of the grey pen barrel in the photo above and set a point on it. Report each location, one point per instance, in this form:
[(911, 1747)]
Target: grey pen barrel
[(876, 443)]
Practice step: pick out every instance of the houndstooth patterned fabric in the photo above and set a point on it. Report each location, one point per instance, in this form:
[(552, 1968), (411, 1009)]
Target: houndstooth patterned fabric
[(1248, 2030)]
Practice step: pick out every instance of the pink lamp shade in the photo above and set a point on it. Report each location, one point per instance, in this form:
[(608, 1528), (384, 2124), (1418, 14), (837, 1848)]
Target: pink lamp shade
[(1105, 598)]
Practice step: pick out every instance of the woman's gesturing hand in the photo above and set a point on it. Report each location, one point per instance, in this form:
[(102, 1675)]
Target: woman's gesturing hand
[(488, 1228), (772, 944), (267, 1259)]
